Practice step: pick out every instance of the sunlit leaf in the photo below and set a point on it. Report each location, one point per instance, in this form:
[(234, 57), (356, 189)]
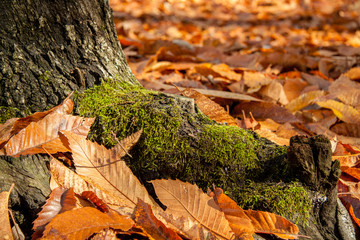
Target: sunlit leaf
[(213, 110), (83, 222), (105, 168), (145, 218), (5, 229), (304, 100), (188, 201), (345, 113), (246, 222)]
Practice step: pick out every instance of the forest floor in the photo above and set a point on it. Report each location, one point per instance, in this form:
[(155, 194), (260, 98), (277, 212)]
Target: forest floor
[(281, 68)]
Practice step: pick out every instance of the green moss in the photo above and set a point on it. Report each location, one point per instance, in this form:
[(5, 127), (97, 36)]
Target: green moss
[(290, 200), (45, 77), (180, 142), (7, 113)]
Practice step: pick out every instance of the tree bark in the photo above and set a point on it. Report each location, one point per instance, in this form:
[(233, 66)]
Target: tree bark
[(50, 48)]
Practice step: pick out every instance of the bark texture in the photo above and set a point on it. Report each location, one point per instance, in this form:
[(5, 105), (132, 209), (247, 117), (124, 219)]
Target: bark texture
[(50, 48)]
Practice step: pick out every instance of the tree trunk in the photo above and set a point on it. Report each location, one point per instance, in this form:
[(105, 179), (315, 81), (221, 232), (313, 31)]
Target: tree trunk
[(50, 48)]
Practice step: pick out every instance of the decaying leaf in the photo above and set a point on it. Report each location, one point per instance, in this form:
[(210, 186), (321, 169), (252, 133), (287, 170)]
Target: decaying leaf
[(5, 229), (145, 218), (213, 110), (60, 200), (81, 223), (246, 222), (105, 168), (220, 70), (188, 201)]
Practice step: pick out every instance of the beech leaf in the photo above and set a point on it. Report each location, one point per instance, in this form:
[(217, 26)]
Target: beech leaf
[(344, 112)]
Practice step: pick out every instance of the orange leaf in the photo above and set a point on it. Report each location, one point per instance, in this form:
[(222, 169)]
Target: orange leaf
[(145, 218), (354, 172), (60, 200), (82, 223), (44, 133), (91, 196), (213, 110), (304, 100), (12, 127), (188, 201), (238, 220), (105, 167), (353, 73), (344, 112), (5, 229), (66, 178), (220, 70), (262, 222)]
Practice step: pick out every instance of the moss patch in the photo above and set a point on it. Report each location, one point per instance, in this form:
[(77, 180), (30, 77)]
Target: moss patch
[(290, 200), (7, 113), (180, 142)]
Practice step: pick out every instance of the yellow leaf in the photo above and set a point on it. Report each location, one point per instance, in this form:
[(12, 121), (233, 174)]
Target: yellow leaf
[(344, 112)]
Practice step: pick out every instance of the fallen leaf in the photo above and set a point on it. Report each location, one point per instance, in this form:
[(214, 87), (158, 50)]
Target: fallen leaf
[(145, 218), (213, 110), (304, 100), (83, 222), (105, 168), (345, 113), (353, 73), (5, 230), (249, 221), (44, 133), (187, 200), (274, 91), (60, 200)]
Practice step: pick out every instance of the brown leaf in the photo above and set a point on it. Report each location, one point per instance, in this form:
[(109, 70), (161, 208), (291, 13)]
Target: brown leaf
[(344, 112), (304, 100), (213, 110), (219, 70), (316, 80), (293, 87), (145, 218), (91, 196), (64, 108), (264, 110), (239, 222), (187, 200), (105, 168), (44, 133), (255, 80), (347, 129), (60, 200), (353, 73), (83, 222), (248, 221), (275, 92), (5, 229), (66, 178)]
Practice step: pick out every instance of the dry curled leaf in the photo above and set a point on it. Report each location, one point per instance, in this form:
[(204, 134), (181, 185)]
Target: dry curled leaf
[(213, 110), (60, 200), (145, 218)]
